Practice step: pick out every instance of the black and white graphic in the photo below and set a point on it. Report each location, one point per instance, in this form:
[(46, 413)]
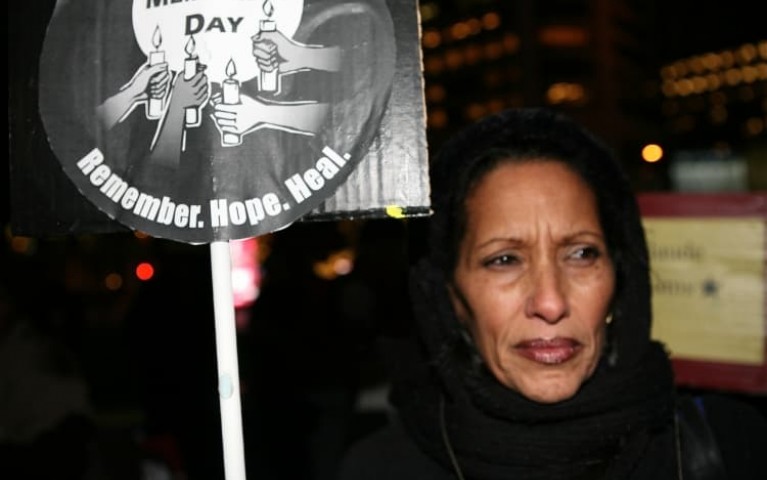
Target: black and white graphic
[(212, 120)]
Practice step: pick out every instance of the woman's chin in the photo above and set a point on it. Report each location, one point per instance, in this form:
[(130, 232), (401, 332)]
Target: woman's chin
[(550, 391)]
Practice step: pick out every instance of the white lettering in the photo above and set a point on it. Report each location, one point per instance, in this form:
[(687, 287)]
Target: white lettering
[(194, 211), (99, 175), (250, 211), (237, 213), (90, 161), (298, 188), (114, 188), (313, 178), (333, 155), (147, 206), (166, 211), (327, 168), (255, 210), (272, 204), (129, 199), (181, 216), (218, 214)]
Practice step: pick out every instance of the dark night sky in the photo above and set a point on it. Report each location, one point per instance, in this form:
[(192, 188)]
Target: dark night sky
[(687, 27)]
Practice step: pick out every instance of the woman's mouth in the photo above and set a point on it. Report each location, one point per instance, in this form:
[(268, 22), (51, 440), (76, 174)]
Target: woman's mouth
[(548, 352)]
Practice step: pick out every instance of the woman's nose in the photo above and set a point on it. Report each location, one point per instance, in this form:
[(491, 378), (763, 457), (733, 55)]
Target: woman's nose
[(547, 299)]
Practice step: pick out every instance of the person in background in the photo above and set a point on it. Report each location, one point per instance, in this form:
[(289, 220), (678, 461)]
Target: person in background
[(47, 424), (531, 355)]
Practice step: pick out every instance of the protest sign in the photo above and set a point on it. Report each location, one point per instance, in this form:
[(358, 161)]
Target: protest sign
[(217, 120)]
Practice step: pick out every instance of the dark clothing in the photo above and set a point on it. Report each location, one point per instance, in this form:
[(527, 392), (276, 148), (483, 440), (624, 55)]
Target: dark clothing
[(390, 454), (739, 430)]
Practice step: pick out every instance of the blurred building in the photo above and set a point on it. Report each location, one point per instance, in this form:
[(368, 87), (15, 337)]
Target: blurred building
[(588, 58), (604, 63), (714, 107)]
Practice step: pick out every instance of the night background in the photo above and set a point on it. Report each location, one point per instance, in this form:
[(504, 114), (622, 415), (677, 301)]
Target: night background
[(126, 321)]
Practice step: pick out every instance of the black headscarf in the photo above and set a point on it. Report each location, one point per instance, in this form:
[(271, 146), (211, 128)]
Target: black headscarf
[(446, 397)]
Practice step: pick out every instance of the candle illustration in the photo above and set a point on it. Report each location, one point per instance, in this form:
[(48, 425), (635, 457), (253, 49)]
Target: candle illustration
[(231, 96), (192, 114), (156, 105), (268, 77)]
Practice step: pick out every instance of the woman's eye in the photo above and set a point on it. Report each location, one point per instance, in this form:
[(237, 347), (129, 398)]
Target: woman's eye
[(586, 253), (501, 260)]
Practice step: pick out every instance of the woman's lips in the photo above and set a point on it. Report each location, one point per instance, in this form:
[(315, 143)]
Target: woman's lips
[(549, 352)]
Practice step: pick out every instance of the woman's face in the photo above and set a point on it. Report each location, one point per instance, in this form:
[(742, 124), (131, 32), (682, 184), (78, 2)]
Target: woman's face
[(534, 280)]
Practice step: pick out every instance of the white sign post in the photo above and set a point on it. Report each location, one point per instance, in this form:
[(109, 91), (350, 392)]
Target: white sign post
[(228, 368)]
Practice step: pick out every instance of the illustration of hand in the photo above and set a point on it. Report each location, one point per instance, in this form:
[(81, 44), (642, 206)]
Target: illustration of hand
[(265, 51), (251, 114), (238, 118), (192, 92), (272, 49), (158, 80), (148, 80)]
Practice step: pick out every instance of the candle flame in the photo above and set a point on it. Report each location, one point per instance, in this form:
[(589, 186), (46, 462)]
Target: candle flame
[(268, 8), (190, 46), (157, 37), (231, 70)]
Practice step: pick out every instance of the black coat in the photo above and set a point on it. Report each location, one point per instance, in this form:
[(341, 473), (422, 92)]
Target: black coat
[(738, 428)]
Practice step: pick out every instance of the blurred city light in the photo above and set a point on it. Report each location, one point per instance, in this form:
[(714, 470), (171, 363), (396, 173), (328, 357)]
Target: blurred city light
[(652, 153), (144, 271), (113, 281), (336, 264), (246, 271)]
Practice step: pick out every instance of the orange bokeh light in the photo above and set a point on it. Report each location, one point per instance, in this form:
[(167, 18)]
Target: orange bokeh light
[(652, 153)]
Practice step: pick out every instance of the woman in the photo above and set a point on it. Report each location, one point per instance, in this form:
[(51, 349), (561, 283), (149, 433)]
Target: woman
[(534, 358)]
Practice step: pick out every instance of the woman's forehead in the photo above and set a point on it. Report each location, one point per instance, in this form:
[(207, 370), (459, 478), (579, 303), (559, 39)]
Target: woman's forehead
[(533, 193)]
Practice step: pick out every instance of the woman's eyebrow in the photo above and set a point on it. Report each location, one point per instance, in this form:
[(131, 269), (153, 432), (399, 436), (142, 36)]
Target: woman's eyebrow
[(511, 241)]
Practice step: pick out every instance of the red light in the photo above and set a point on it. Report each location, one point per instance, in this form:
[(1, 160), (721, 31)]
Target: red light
[(245, 271), (144, 271)]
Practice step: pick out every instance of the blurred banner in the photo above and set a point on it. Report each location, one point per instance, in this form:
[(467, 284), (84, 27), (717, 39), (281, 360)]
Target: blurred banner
[(217, 120), (707, 258)]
